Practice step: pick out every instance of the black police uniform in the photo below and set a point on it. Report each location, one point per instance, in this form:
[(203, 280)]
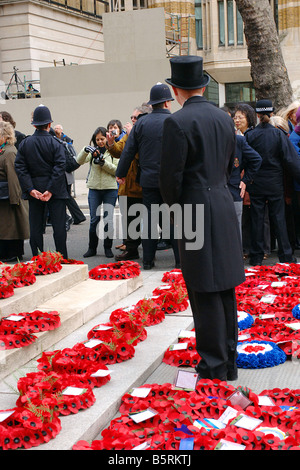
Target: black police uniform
[(145, 139), (267, 187), (40, 164)]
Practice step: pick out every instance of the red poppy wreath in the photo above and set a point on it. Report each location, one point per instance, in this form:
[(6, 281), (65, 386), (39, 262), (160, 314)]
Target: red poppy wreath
[(115, 271)]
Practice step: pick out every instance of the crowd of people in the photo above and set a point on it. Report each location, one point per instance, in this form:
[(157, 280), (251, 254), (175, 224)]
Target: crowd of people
[(240, 167), (124, 165)]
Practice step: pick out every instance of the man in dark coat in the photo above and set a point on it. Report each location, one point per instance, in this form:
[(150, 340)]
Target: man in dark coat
[(197, 157), (145, 139), (40, 165)]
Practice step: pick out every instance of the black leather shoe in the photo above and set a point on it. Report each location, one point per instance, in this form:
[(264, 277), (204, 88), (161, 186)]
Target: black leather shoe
[(148, 266), (127, 255), (108, 253), (90, 253), (69, 222)]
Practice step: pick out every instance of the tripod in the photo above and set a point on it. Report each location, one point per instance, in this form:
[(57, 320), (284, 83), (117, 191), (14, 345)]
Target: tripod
[(15, 80)]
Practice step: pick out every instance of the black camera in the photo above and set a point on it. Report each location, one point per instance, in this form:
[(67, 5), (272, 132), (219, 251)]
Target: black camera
[(97, 154)]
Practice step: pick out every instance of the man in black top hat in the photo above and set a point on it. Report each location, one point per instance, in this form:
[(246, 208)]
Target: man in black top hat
[(197, 156), (40, 165), (145, 139)]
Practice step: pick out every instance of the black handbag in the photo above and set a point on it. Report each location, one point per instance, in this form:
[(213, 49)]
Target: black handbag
[(4, 193)]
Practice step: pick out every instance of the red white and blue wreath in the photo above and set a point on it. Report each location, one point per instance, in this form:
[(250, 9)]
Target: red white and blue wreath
[(259, 354), (296, 311), (245, 320)]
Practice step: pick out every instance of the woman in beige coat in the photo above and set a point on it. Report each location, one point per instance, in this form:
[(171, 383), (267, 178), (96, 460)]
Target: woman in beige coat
[(14, 226)]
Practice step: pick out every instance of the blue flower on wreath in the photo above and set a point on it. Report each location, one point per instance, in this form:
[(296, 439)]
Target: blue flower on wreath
[(259, 354), (245, 320), (296, 311)]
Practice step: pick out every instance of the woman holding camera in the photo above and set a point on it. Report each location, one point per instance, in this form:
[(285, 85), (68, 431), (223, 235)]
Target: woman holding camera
[(103, 189)]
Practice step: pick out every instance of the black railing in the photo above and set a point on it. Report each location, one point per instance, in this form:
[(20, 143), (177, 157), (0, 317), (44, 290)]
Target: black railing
[(93, 11)]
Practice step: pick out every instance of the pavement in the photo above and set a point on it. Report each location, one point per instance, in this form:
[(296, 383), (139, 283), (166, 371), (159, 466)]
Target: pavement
[(146, 366)]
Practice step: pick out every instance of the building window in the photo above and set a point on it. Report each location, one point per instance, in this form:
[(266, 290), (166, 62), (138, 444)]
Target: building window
[(221, 23), (140, 4), (239, 28), (199, 25), (212, 92), (239, 92), (230, 23)]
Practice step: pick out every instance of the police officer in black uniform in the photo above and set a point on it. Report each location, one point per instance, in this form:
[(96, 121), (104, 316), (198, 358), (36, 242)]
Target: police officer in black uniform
[(145, 139), (267, 187), (40, 165)]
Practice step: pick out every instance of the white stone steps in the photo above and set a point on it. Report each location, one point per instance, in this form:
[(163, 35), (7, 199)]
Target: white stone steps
[(69, 292)]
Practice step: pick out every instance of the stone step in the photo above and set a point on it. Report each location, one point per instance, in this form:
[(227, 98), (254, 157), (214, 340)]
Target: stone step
[(73, 295), (46, 287), (87, 424)]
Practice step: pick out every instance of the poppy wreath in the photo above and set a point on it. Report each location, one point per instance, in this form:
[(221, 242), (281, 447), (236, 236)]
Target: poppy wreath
[(28, 427), (47, 263), (259, 354), (175, 275), (59, 364), (115, 271), (114, 331), (184, 415), (31, 322), (20, 274), (245, 320), (11, 339), (187, 357), (78, 359), (150, 309), (172, 297), (275, 332), (296, 311), (71, 261), (6, 288), (65, 394)]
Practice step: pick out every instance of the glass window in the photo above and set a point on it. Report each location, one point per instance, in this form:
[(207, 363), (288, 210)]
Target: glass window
[(221, 24), (230, 23), (198, 24), (212, 92), (239, 28), (239, 92)]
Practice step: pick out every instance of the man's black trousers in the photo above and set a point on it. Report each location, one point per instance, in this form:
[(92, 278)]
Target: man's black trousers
[(216, 328), (57, 214)]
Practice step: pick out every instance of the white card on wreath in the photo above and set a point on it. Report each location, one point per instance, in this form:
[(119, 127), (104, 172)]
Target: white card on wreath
[(186, 380)]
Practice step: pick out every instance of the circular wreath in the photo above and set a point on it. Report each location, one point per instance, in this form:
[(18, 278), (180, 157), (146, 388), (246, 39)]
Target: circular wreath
[(32, 322), (296, 311), (245, 320), (114, 331), (151, 311), (20, 274), (173, 298), (9, 339), (259, 354), (25, 428), (47, 263), (115, 271), (6, 288)]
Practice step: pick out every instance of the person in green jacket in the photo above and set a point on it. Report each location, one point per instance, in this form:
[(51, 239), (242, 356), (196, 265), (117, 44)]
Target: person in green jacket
[(103, 190)]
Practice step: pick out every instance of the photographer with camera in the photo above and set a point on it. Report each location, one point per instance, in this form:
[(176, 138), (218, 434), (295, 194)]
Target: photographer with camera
[(103, 189)]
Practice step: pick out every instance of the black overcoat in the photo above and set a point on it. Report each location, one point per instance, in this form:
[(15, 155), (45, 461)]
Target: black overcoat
[(197, 157), (41, 164)]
